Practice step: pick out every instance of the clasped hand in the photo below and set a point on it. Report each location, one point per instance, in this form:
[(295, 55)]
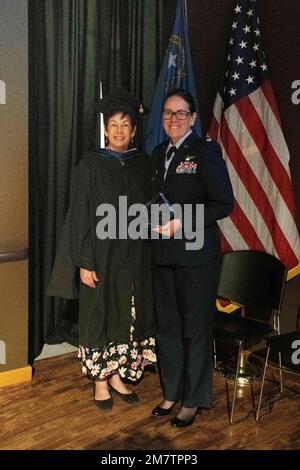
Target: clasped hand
[(89, 278), (169, 229)]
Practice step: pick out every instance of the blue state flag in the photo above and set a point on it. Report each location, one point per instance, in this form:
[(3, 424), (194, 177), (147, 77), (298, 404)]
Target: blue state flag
[(176, 72)]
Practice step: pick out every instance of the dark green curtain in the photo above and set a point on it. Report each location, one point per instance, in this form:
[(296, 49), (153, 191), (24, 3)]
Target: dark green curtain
[(72, 45), (63, 84), (133, 35)]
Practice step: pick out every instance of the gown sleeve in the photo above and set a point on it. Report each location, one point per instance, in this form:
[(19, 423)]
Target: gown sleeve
[(75, 243)]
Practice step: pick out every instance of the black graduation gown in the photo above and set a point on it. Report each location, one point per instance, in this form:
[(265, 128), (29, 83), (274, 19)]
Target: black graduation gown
[(105, 312)]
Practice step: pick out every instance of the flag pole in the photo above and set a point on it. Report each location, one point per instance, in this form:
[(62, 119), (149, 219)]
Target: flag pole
[(185, 13)]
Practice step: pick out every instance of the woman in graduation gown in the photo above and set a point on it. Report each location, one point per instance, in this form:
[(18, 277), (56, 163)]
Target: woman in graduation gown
[(116, 320)]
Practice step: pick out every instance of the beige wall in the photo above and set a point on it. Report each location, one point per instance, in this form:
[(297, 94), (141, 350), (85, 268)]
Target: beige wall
[(14, 314), (14, 179)]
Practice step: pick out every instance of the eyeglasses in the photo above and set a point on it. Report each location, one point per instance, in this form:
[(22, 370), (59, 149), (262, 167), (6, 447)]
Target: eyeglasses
[(180, 115)]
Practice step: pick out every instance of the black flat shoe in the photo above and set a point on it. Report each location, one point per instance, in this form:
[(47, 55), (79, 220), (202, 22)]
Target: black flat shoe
[(104, 405), (128, 397), (159, 411), (183, 423)]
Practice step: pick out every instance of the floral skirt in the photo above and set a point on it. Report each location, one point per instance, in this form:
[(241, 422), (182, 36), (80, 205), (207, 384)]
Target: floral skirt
[(126, 359)]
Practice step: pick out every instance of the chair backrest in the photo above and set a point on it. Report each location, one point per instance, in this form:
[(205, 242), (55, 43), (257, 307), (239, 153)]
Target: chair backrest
[(253, 279)]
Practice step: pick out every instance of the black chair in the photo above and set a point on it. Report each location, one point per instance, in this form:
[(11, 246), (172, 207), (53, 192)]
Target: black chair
[(287, 346), (251, 279)]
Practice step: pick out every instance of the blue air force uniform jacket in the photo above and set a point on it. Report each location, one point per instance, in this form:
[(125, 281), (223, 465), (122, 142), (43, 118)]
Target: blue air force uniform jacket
[(197, 174)]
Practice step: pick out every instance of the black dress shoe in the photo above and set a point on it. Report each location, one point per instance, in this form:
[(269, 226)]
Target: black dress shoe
[(183, 423), (104, 405), (131, 398), (159, 411)]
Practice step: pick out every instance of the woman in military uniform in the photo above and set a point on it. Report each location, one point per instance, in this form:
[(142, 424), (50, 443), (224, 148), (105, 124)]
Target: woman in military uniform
[(188, 170)]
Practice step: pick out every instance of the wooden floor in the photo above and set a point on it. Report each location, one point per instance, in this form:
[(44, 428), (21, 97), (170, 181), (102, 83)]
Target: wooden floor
[(56, 411)]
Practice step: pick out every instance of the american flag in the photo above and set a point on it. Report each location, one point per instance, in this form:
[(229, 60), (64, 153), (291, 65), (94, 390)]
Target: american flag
[(246, 123)]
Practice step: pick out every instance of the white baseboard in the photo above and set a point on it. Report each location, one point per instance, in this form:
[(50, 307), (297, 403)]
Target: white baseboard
[(50, 350)]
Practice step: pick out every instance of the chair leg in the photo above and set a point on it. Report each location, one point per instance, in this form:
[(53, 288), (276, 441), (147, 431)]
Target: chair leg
[(215, 355), (262, 385), (280, 372), (235, 383), (279, 354)]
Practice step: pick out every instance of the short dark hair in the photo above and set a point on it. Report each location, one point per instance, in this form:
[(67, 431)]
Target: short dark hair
[(185, 95), (128, 113)]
